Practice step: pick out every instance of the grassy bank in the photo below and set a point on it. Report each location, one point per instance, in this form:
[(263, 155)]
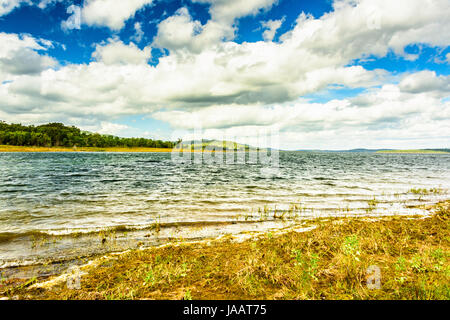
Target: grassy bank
[(4, 148), (329, 262)]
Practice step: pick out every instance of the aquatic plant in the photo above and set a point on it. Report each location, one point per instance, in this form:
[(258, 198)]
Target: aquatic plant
[(156, 226), (424, 191)]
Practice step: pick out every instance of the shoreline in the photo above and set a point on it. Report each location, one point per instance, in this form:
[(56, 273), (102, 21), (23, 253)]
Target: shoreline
[(12, 149), (33, 149), (25, 149), (325, 262)]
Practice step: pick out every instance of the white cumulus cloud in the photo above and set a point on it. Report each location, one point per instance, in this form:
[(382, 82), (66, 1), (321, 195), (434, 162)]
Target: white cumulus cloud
[(110, 13), (116, 52), (228, 10), (271, 28), (19, 56)]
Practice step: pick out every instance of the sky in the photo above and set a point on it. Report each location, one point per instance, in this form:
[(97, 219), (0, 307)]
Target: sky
[(319, 74)]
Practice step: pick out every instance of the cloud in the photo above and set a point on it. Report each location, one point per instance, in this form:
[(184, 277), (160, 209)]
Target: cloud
[(426, 81), (110, 13), (178, 31), (227, 11), (18, 55), (312, 50), (101, 13), (349, 32), (111, 128), (272, 26), (26, 61), (375, 107), (45, 3), (7, 6), (389, 118), (181, 32), (116, 52), (139, 33)]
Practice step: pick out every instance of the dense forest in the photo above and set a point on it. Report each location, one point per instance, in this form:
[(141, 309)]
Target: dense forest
[(59, 135)]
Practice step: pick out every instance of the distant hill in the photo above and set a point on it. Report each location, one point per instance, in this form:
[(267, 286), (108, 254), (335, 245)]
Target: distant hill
[(436, 151), (217, 144), (60, 135), (352, 150), (442, 150), (418, 151), (363, 150)]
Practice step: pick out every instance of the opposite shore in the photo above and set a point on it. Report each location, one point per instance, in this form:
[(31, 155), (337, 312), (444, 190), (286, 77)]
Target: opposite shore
[(6, 148), (9, 148)]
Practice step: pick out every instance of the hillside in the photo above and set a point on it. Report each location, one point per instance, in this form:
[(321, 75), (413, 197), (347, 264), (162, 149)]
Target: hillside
[(217, 145), (59, 135)]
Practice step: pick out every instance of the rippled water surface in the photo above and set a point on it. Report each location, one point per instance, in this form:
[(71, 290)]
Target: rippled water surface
[(52, 205)]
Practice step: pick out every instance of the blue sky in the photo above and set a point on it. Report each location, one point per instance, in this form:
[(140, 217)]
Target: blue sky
[(324, 74), (80, 44)]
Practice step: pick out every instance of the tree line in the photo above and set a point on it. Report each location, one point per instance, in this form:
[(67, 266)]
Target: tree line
[(59, 135)]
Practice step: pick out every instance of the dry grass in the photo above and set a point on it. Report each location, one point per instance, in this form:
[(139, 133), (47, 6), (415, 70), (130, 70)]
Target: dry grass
[(329, 262)]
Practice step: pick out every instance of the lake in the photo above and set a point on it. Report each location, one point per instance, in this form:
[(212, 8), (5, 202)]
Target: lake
[(57, 209)]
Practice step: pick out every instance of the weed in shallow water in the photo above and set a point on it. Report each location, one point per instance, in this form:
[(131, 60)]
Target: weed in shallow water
[(373, 203), (424, 191)]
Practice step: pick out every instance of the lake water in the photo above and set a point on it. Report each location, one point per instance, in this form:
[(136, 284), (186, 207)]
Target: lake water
[(53, 206)]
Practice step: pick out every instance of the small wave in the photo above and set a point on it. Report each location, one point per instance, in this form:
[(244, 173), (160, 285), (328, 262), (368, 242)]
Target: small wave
[(331, 184), (9, 236), (12, 190), (323, 178), (112, 180), (148, 161), (356, 187)]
